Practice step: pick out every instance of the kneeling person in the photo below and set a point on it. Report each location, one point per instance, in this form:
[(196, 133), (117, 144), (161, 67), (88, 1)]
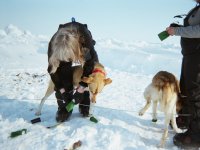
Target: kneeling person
[(72, 43)]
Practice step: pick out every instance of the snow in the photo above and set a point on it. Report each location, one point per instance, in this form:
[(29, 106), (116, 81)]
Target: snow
[(131, 65)]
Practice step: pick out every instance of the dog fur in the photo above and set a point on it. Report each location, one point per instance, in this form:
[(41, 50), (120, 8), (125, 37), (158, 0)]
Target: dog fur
[(164, 89), (96, 82)]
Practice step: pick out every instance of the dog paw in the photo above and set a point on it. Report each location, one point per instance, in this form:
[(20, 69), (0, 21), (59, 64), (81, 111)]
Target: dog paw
[(154, 120), (38, 113), (141, 113)]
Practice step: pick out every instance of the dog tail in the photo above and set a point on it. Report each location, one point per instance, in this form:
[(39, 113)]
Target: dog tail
[(50, 89), (165, 97), (164, 82)]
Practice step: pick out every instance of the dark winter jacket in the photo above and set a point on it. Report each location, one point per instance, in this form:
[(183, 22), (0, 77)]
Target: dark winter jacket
[(62, 78), (190, 33)]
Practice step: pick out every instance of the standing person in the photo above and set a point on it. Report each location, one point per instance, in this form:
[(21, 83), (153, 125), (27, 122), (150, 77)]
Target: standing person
[(190, 72), (72, 43)]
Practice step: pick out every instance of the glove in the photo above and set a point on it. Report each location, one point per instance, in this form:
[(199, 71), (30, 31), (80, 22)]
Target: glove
[(78, 95), (83, 84), (63, 99), (66, 96), (175, 25)]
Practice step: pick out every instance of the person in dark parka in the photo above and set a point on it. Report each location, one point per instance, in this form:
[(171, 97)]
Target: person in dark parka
[(72, 43), (190, 78)]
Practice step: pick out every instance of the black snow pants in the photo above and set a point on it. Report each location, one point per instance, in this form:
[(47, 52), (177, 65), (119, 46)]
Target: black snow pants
[(189, 86), (64, 74)]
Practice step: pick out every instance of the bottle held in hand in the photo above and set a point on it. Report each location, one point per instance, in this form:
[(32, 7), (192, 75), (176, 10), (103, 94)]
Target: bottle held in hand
[(163, 35)]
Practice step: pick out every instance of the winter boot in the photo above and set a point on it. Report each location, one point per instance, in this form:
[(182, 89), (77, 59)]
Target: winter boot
[(187, 140), (191, 138), (62, 114), (84, 106)]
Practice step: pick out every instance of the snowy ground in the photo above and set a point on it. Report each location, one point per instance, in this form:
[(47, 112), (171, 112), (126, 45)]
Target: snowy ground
[(131, 65)]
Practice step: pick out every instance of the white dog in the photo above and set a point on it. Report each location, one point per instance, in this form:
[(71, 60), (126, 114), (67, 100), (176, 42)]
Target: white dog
[(164, 89)]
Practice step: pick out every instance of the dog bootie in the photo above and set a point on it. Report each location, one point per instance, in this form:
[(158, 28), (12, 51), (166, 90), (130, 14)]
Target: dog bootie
[(70, 106)]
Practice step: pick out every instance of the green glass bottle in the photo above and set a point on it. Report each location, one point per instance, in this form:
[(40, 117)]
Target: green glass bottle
[(163, 35), (18, 133)]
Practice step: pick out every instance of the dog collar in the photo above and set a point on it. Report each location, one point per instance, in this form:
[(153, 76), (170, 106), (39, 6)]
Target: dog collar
[(98, 70)]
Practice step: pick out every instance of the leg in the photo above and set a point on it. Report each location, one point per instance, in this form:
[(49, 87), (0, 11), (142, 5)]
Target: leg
[(191, 137), (84, 106), (49, 91), (143, 110), (182, 80), (64, 74), (154, 115), (173, 121), (62, 114), (165, 134), (164, 137), (183, 121), (40, 106)]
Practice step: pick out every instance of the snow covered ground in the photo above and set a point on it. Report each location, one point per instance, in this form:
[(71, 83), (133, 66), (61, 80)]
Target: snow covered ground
[(131, 65)]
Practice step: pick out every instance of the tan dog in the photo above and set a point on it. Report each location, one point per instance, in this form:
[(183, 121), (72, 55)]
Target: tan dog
[(96, 82), (164, 89)]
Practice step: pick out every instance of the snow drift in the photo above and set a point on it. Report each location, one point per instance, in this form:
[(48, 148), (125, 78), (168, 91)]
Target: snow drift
[(22, 49)]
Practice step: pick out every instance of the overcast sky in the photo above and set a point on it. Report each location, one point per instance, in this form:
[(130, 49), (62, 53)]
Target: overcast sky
[(120, 19)]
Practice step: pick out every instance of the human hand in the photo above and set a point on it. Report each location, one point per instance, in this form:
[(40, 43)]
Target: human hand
[(170, 31), (78, 94)]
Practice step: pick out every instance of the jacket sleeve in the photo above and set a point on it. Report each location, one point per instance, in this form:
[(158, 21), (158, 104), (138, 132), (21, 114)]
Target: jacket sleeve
[(188, 32), (89, 65)]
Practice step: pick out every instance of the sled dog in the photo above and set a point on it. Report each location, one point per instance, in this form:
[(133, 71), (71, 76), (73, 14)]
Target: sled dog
[(164, 89)]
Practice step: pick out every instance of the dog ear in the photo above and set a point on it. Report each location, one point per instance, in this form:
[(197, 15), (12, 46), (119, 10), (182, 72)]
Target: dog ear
[(87, 79), (107, 81)]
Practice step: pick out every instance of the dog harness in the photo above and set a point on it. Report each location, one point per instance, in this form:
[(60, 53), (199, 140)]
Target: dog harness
[(99, 71)]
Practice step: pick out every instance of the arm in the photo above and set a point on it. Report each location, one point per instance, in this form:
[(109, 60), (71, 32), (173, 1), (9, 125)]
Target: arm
[(89, 65), (188, 32)]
